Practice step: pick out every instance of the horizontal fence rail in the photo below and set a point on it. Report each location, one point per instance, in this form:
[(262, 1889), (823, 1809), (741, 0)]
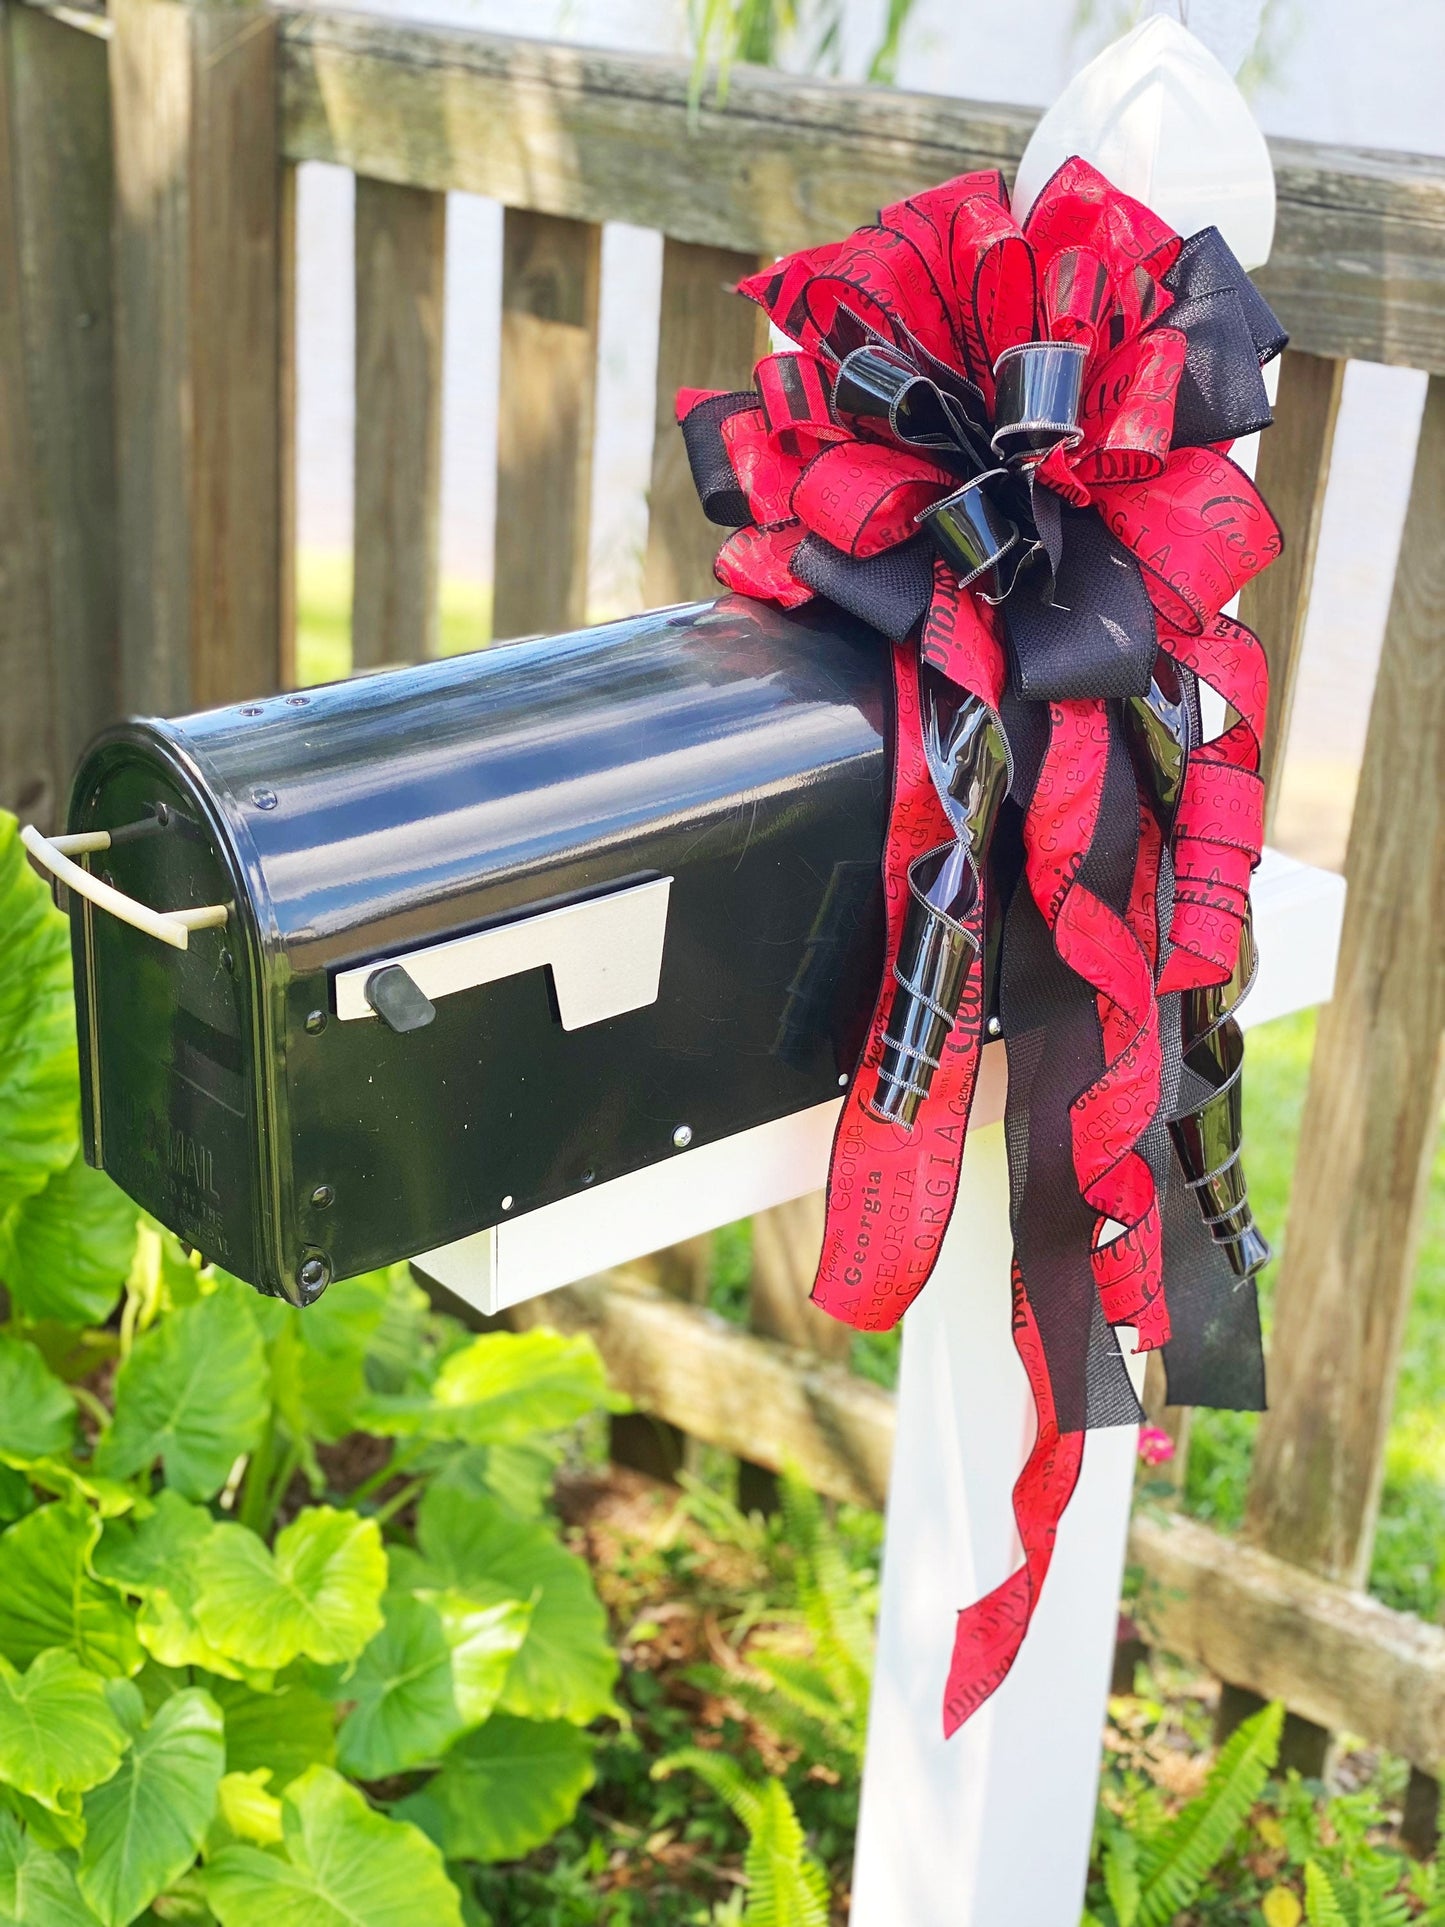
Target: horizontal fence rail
[(1358, 267)]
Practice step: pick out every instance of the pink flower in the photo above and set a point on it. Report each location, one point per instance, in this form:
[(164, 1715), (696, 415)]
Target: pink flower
[(1155, 1446)]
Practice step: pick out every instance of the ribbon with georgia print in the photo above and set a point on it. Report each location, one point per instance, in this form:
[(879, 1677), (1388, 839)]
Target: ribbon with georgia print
[(1006, 448)]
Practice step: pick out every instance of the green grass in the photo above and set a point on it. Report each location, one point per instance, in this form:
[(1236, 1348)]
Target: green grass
[(1409, 1563), (323, 616)]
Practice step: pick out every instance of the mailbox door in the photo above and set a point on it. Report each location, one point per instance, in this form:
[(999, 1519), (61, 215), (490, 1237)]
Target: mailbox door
[(172, 1091)]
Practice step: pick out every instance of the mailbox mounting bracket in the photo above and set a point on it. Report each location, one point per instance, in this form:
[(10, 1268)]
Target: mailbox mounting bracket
[(605, 955)]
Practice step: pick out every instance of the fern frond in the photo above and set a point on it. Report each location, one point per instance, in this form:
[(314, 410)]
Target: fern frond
[(723, 1774), (1121, 1877), (1427, 1884), (806, 1685), (1323, 1904), (1375, 1880), (842, 1635), (786, 1886), (1300, 1818), (1176, 1862), (812, 1739)]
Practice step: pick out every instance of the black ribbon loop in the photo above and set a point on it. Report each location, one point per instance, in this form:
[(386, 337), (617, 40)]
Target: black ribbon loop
[(717, 485), (1159, 729), (1209, 1132), (891, 591), (879, 387), (933, 959), (971, 769), (1230, 331), (968, 528), (1036, 400)]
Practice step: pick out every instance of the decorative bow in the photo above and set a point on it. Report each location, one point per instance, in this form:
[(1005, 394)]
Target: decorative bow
[(1005, 448)]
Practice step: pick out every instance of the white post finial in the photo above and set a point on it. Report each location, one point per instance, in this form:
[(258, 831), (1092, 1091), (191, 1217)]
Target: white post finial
[(1159, 115)]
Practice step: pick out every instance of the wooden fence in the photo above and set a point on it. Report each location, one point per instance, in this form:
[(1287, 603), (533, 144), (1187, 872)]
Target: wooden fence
[(147, 400)]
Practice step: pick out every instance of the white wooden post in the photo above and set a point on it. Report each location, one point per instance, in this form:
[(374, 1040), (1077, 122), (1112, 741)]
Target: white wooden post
[(992, 1827)]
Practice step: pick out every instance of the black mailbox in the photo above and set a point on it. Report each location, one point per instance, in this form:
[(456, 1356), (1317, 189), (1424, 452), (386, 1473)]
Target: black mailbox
[(364, 969)]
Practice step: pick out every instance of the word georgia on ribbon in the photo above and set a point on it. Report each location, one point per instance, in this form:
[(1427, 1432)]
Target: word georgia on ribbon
[(1006, 448)]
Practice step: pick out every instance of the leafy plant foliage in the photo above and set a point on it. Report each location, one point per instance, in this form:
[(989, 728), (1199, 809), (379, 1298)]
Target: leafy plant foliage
[(786, 1886), (1152, 1873), (199, 1622)]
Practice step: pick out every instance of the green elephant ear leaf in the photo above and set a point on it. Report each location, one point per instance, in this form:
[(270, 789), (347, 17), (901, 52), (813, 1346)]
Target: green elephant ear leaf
[(48, 1596), (37, 1414), (485, 1635), (504, 1789), (399, 1355), (403, 1709), (345, 1866), (143, 1827), (247, 1811), (59, 1829), (37, 1888), (519, 1475), (318, 1594), (501, 1388), (65, 1481), (155, 1559), (436, 1667), (284, 1732), (39, 1078), (192, 1394), (69, 1247), (566, 1668), (58, 1731)]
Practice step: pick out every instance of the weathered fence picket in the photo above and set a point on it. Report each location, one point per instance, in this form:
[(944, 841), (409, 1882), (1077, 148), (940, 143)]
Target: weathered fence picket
[(60, 153), (551, 285), (27, 726), (197, 267), (1294, 469), (710, 339), (400, 291)]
